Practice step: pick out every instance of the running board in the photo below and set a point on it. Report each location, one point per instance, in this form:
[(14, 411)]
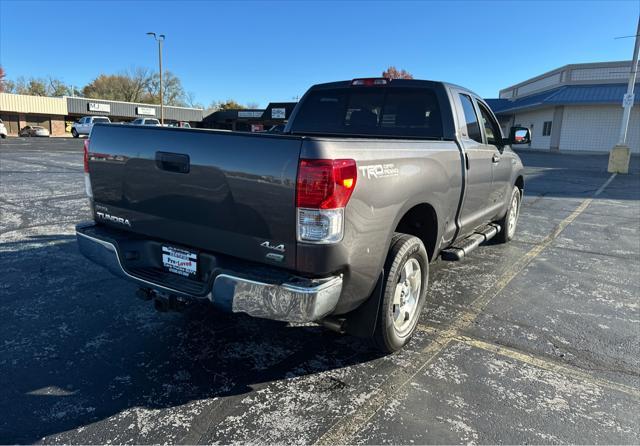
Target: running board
[(465, 246)]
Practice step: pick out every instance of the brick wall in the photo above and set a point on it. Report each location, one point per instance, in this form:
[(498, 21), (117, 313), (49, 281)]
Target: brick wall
[(57, 126)]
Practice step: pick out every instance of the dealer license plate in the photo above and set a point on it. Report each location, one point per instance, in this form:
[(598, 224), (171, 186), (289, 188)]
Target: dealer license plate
[(179, 261)]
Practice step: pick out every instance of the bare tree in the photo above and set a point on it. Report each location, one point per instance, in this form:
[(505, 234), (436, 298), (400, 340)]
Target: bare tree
[(190, 99), (393, 73), (3, 80)]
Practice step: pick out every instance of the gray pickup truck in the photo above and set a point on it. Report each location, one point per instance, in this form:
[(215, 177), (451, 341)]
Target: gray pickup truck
[(334, 221)]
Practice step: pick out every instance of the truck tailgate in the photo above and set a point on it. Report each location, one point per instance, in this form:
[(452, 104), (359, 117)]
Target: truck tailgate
[(230, 193)]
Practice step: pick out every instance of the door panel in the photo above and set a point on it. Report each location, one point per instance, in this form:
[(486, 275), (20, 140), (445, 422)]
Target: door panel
[(501, 162), (476, 203)]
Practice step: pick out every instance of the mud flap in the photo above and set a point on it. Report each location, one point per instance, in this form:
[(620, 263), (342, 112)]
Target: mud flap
[(361, 322)]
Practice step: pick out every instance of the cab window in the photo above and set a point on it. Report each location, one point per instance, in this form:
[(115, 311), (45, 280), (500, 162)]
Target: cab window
[(491, 128), (473, 128)]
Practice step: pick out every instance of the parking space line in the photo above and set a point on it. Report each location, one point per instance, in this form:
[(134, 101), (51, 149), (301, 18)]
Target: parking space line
[(549, 365), (537, 361), (346, 427)]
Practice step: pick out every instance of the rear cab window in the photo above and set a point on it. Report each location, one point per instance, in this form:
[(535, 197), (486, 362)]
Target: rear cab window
[(491, 127), (101, 120), (471, 118), (371, 111)]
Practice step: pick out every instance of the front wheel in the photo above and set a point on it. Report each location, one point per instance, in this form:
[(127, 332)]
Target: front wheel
[(510, 220), (74, 133), (404, 293)]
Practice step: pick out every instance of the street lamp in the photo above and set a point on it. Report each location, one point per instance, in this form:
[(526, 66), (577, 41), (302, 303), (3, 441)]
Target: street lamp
[(160, 38)]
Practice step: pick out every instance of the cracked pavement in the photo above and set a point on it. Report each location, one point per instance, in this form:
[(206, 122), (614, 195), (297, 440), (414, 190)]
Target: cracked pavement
[(536, 341)]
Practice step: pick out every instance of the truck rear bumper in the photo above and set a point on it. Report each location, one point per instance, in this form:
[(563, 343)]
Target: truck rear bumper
[(284, 297)]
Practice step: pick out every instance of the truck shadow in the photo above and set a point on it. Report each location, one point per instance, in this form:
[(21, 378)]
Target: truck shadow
[(77, 347)]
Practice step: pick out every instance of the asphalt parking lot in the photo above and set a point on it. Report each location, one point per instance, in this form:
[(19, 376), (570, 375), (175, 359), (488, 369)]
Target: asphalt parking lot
[(536, 341)]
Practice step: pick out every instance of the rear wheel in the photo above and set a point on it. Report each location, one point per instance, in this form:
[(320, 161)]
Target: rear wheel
[(509, 222), (75, 133), (404, 293)]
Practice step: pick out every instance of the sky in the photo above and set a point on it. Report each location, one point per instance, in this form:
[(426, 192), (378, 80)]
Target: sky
[(259, 52)]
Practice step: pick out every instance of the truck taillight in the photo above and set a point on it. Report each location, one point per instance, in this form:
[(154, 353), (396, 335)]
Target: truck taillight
[(87, 179), (323, 189)]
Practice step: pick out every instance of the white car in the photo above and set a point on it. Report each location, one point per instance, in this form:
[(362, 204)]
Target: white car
[(145, 121), (3, 130), (84, 125), (33, 130)]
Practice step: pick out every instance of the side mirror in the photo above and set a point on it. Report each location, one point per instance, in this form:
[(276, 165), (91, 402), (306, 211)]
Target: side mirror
[(519, 135)]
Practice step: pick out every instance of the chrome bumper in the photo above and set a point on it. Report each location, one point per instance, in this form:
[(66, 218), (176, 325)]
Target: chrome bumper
[(301, 300)]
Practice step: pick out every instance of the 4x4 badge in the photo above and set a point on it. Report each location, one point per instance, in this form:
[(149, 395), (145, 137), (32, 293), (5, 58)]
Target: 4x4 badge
[(267, 244)]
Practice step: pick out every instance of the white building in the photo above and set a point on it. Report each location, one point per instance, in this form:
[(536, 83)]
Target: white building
[(572, 108)]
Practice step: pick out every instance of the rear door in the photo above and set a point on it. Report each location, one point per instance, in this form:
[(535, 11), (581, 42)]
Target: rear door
[(476, 203), (84, 125), (218, 191), (501, 165)]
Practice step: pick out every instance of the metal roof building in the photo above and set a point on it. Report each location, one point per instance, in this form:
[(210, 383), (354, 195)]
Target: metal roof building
[(572, 108), (57, 114), (130, 110), (249, 119)]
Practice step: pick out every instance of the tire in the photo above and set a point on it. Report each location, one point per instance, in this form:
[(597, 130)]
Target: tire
[(393, 330), (74, 133), (510, 220), (3, 136)]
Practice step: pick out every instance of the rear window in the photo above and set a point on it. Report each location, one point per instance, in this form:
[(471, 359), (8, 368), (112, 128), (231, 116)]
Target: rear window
[(410, 112), (103, 120)]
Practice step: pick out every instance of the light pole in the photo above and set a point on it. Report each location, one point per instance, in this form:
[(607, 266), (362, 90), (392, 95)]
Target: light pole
[(160, 38), (620, 155)]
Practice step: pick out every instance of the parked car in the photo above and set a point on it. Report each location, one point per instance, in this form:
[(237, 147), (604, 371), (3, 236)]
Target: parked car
[(180, 124), (145, 121), (335, 221), (85, 124), (3, 130), (33, 130)]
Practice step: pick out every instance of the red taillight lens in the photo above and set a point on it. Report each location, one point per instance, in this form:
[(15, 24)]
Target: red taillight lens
[(325, 184), (86, 156)]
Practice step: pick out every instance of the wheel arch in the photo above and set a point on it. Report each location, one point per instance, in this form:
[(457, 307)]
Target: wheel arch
[(519, 183), (421, 220)]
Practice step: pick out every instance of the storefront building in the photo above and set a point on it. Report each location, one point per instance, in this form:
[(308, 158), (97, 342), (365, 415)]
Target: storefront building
[(58, 114)]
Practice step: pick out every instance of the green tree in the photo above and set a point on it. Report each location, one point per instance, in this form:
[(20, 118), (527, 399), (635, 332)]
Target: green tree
[(229, 104)]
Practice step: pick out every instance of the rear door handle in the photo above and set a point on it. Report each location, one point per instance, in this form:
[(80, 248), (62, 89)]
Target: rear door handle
[(173, 162), (496, 158)]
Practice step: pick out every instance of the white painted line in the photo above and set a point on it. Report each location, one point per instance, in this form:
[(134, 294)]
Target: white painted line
[(343, 431), (604, 186)]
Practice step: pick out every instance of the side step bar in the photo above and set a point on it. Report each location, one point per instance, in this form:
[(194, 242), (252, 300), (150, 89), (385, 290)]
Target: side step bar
[(465, 246)]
